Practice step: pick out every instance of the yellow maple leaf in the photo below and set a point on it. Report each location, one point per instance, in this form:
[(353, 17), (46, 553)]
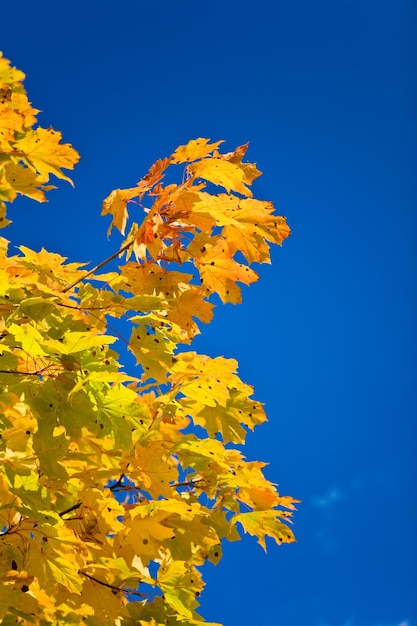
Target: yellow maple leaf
[(116, 205), (154, 175), (179, 586), (21, 104), (263, 524), (3, 219), (108, 605), (188, 305), (251, 225), (219, 272), (42, 151), (10, 122), (9, 74), (24, 181), (221, 172), (143, 534), (155, 469), (247, 223), (193, 150), (250, 169)]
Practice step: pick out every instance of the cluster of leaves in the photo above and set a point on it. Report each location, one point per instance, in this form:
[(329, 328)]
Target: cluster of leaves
[(115, 489), (28, 156)]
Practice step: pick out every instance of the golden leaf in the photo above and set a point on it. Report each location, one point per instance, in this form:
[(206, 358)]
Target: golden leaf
[(42, 151), (263, 524), (221, 172), (220, 272), (24, 181), (193, 150), (116, 205)]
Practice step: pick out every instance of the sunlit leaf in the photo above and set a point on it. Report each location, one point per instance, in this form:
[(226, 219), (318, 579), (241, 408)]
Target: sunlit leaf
[(41, 150)]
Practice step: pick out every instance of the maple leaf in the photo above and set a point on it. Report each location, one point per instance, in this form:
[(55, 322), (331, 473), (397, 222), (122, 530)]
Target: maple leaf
[(9, 74), (154, 468), (174, 578), (263, 524), (188, 305), (11, 121), (193, 150), (116, 205), (42, 151), (250, 170), (221, 172), (3, 220), (220, 272), (24, 181), (154, 175)]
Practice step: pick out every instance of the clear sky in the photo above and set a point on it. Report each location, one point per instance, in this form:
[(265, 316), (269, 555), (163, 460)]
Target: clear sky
[(325, 92)]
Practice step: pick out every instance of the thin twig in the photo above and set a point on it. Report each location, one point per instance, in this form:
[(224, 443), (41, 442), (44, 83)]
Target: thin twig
[(84, 308), (116, 488), (74, 507), (188, 483), (113, 587), (37, 373), (100, 265)]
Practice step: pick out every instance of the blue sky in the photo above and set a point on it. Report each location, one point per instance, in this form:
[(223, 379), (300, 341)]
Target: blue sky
[(325, 93)]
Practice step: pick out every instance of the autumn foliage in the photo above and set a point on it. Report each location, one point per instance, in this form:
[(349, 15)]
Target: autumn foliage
[(115, 486)]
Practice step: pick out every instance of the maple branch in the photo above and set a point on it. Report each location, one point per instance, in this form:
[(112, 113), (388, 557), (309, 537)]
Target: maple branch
[(36, 373), (188, 483), (83, 308), (101, 582), (114, 588), (74, 507), (119, 480), (117, 487), (118, 484), (100, 265)]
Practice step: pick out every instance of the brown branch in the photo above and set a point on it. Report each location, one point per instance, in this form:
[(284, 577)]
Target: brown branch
[(84, 308), (118, 483), (117, 488), (188, 483), (126, 246), (101, 582), (114, 588), (74, 507), (37, 373), (100, 265)]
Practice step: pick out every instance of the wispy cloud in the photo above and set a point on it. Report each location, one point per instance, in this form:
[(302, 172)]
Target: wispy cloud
[(331, 497), (327, 505), (348, 622), (405, 622), (351, 622)]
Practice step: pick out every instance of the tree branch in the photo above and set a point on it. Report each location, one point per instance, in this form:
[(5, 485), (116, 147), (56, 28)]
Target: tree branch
[(74, 507), (114, 588), (188, 483), (100, 265), (36, 373)]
